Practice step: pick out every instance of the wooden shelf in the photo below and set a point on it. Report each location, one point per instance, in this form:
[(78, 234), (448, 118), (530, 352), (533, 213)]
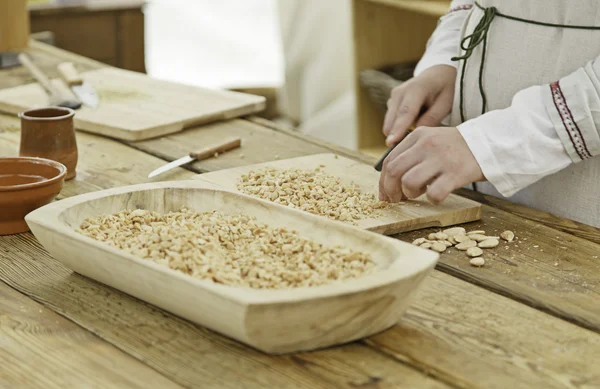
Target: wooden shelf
[(435, 8), (108, 31), (49, 6), (387, 32)]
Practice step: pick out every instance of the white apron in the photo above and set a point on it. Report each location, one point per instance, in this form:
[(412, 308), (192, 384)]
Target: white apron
[(520, 55)]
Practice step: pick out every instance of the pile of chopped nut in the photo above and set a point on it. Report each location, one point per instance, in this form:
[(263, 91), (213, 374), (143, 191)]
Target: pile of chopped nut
[(312, 191), (232, 250), (471, 242)]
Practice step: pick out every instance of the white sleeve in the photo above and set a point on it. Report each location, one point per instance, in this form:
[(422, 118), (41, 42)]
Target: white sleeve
[(516, 146), (445, 40), (545, 129)]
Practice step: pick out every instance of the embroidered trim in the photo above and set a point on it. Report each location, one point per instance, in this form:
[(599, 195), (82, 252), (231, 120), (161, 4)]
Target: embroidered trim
[(460, 8), (560, 102)]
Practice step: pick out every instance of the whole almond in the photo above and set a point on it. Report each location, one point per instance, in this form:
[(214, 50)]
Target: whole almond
[(477, 237), (466, 245), (489, 243), (426, 245), (420, 241), (474, 252), (432, 236), (447, 243), (477, 262), (508, 236), (455, 231), (479, 232), (461, 238), (441, 236), (439, 247)]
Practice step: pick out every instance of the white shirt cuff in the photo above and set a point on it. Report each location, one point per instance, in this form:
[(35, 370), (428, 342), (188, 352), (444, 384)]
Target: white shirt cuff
[(516, 146), (573, 105)]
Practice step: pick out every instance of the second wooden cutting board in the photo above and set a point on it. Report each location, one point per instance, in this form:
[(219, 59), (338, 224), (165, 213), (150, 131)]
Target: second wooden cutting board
[(134, 106), (412, 215)]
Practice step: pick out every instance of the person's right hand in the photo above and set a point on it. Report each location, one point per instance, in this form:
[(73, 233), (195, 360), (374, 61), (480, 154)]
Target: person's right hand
[(424, 101)]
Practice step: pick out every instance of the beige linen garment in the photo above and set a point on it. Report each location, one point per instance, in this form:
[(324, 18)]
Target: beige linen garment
[(520, 55)]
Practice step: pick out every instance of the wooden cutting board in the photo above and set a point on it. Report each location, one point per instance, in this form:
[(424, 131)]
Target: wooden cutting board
[(412, 215), (134, 106)]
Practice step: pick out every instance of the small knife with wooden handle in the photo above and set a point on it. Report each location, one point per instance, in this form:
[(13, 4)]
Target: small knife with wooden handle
[(205, 153), (83, 90)]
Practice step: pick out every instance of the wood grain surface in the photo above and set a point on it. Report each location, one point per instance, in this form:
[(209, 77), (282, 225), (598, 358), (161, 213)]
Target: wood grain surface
[(408, 216), (39, 348), (134, 106), (455, 332), (545, 268)]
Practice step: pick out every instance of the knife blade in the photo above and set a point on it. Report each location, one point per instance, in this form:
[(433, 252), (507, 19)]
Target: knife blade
[(379, 164), (56, 96), (171, 165), (207, 152), (83, 90)]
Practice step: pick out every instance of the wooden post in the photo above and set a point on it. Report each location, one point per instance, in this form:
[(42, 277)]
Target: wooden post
[(14, 26)]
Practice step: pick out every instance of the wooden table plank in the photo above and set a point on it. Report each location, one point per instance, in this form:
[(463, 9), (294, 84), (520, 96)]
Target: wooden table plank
[(259, 144), (39, 348), (439, 335), (331, 147), (463, 334), (569, 226), (548, 269)]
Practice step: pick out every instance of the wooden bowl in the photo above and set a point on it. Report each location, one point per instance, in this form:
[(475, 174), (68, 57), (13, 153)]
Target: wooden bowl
[(274, 321), (26, 183)]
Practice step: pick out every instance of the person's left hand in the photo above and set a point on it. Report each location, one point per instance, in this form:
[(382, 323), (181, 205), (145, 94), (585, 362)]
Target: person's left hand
[(432, 160)]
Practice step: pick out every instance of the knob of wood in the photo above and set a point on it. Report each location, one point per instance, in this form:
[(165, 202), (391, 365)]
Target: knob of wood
[(209, 151), (69, 74)]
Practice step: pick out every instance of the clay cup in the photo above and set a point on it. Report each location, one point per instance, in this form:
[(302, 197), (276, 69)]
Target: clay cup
[(50, 133)]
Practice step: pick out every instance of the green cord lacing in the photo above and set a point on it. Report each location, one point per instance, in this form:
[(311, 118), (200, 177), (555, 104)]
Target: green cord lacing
[(479, 35)]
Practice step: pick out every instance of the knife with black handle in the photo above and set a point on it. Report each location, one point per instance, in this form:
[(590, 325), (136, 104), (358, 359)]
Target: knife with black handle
[(379, 164)]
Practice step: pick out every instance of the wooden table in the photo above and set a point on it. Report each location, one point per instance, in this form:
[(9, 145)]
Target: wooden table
[(529, 319)]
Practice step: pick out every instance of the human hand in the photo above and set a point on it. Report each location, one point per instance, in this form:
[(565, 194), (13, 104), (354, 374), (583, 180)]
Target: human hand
[(425, 99), (432, 160)]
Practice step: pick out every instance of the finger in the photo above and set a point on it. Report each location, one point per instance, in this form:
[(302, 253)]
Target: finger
[(382, 195), (436, 113), (406, 144), (406, 114), (394, 171), (390, 115), (415, 181), (392, 188), (441, 188)]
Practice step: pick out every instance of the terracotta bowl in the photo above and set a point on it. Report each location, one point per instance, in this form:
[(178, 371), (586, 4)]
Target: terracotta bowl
[(26, 183)]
